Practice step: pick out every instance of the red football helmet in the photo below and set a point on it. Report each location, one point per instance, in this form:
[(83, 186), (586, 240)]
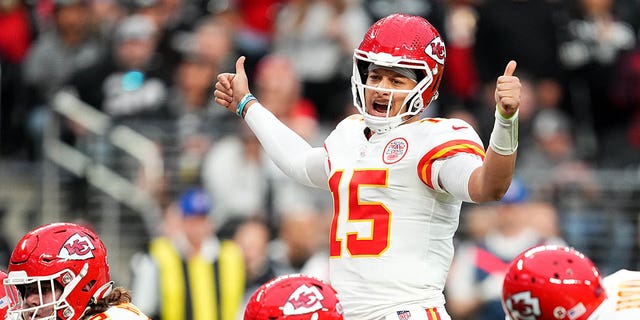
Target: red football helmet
[(551, 283), (294, 297), (64, 258), (399, 41), (4, 297)]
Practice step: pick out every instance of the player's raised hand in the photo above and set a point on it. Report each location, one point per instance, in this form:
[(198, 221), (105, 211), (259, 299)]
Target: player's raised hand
[(508, 91), (231, 87)]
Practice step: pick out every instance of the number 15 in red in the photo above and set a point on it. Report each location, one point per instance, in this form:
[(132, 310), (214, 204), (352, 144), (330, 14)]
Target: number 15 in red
[(376, 214)]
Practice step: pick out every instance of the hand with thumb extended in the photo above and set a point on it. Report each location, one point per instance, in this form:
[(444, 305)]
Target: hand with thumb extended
[(507, 93), (232, 87)]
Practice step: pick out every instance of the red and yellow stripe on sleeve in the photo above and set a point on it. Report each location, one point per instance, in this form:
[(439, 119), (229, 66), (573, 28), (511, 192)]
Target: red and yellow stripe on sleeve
[(445, 150)]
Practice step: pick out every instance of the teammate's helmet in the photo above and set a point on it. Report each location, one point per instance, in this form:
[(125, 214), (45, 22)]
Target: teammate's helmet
[(4, 297), (550, 283), (400, 41), (62, 256), (294, 297)]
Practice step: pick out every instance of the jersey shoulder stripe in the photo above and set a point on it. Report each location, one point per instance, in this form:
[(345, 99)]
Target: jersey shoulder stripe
[(446, 150)]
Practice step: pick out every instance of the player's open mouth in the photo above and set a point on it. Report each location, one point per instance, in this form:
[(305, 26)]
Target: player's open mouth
[(380, 108)]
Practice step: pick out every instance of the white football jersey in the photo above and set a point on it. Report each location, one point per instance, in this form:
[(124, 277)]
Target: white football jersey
[(392, 232), (623, 296), (124, 311)]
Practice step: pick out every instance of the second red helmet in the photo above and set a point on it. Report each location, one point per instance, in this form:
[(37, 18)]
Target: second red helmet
[(294, 297), (551, 283)]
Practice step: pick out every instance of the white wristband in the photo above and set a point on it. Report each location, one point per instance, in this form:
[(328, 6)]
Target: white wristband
[(504, 137)]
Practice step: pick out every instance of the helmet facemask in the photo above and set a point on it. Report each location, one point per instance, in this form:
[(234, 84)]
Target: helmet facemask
[(42, 286), (413, 103)]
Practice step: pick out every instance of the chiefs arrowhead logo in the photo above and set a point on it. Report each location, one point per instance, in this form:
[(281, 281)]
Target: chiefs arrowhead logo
[(522, 306), (305, 299), (436, 50), (77, 247)]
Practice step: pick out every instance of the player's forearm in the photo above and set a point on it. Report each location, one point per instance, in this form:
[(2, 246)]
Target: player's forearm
[(290, 152), (492, 179)]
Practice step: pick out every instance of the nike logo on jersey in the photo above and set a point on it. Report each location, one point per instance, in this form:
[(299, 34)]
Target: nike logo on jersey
[(458, 127)]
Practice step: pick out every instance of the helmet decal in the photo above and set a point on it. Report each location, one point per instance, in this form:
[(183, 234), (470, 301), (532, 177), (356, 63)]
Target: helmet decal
[(522, 306), (559, 312), (552, 283), (436, 50), (294, 297), (577, 311), (77, 247), (305, 299)]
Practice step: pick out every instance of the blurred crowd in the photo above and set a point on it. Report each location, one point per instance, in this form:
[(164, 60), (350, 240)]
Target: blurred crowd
[(151, 65)]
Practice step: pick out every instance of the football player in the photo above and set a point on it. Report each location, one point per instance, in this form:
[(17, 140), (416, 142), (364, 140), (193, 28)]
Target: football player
[(397, 180), (558, 282), (60, 271)]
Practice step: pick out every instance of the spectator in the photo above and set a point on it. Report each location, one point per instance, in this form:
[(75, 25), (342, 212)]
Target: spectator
[(319, 37), (71, 45), (552, 163), (461, 84), (536, 21), (253, 236), (15, 40), (626, 98), (515, 20), (198, 123), (188, 273), (129, 83), (301, 244), (280, 87), (107, 14), (255, 26), (235, 172), (592, 42)]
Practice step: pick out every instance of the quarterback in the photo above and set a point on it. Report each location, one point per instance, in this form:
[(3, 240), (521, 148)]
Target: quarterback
[(397, 180)]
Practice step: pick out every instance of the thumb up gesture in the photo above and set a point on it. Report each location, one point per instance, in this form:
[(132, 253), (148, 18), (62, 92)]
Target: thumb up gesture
[(507, 93), (232, 87)]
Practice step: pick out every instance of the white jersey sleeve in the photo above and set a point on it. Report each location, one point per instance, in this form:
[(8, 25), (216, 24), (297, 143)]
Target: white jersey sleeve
[(290, 152)]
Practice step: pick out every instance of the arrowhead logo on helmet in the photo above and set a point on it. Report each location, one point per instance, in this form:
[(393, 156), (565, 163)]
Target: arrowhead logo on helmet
[(77, 247), (522, 306), (436, 50), (305, 299)]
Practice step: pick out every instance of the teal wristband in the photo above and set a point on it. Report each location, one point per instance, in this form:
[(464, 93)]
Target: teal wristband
[(243, 103)]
